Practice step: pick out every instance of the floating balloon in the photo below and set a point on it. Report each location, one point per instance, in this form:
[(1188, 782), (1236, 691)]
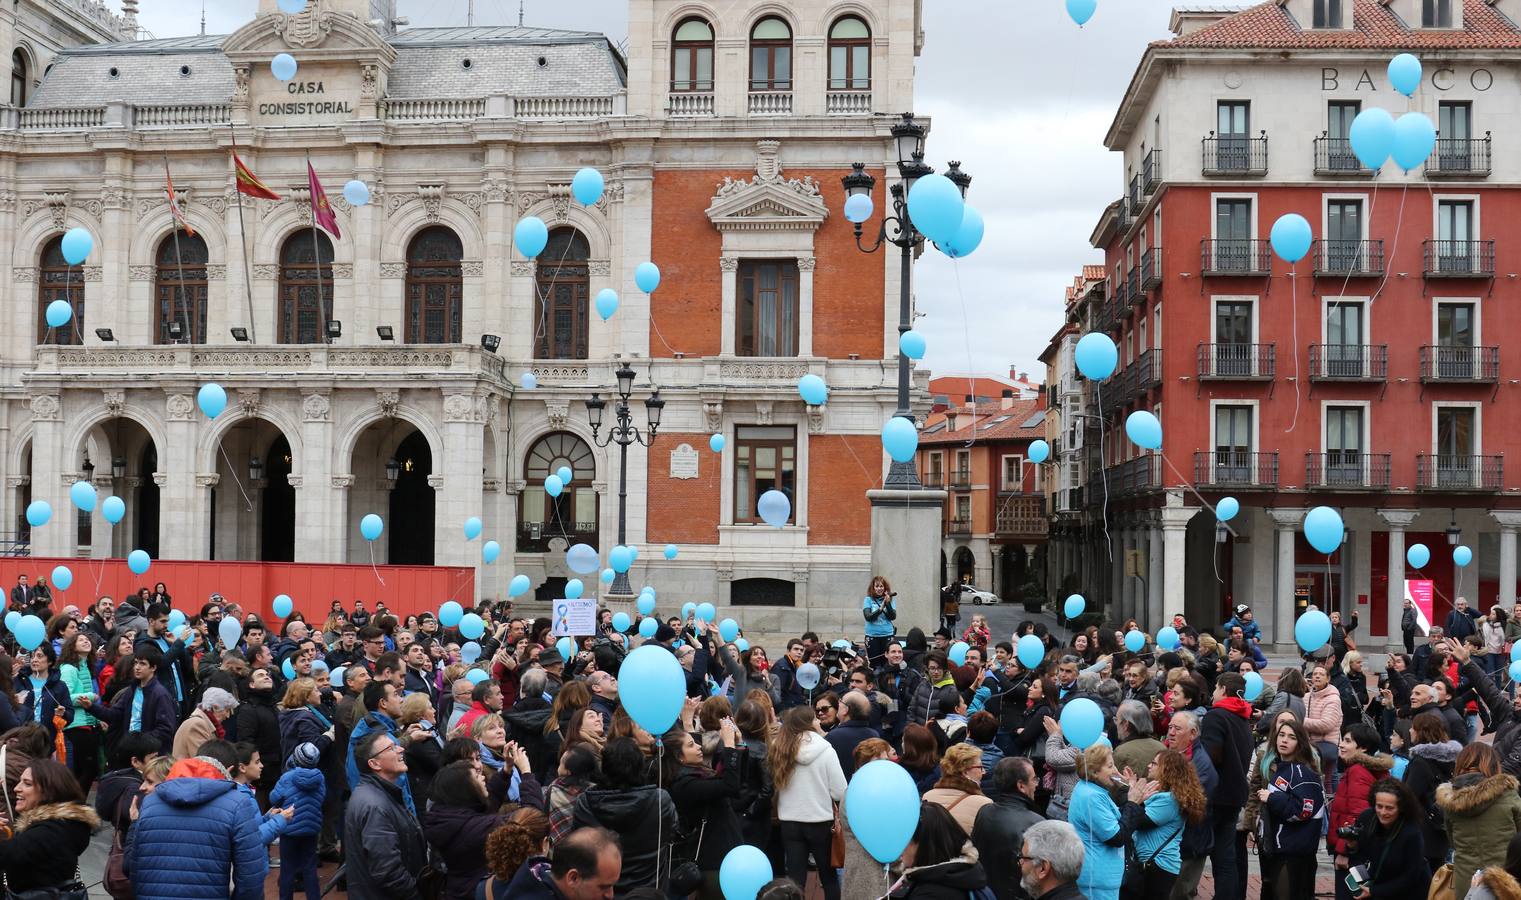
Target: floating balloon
[(1515, 651), (621, 622), (292, 7), (490, 552), (774, 508), (574, 588), (356, 192), (83, 495), (936, 208), (529, 381), (12, 617), (1073, 607), (212, 400), (113, 509), (282, 606), (1096, 356), (1372, 137), (648, 626), (449, 613), (687, 609), (608, 575), (518, 586), (472, 626), (706, 612), (138, 561), (1324, 530), (633, 553), (38, 513), (1039, 451), (586, 186), (76, 245), (283, 66), (652, 687), (29, 632), (62, 578), (1312, 630), (1291, 237), (647, 591), (1253, 687), (1227, 509), (58, 314), (607, 303), (620, 559), (671, 551), (1418, 556), (176, 619), (968, 237), (1167, 638), (882, 807), (647, 277), (476, 676), (1081, 10), (716, 443), (808, 676), (741, 644), (957, 653), (230, 630), (469, 652), (472, 528), (912, 345), (900, 439), (1462, 556), (582, 559), (565, 474), (813, 390), (530, 236), (1414, 139), (1082, 722), (1515, 668), (1030, 651), (1405, 74), (1134, 641), (288, 669), (858, 208), (728, 630), (743, 872), (371, 526), (645, 604), (1144, 429), (553, 485)]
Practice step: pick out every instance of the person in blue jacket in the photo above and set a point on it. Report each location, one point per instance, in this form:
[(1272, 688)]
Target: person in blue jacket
[(196, 799), (879, 609), (1105, 828), (301, 788), (44, 693), (1293, 812), (145, 705)]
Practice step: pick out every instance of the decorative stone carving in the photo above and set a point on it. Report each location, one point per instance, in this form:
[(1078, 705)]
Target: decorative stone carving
[(142, 273), (307, 28), (724, 573), (472, 268), (515, 486), (179, 407), (115, 400), (491, 485), (294, 480), (16, 481), (266, 272), (525, 200), (113, 197), (249, 400), (161, 479), (7, 201), (207, 479), (474, 201), (768, 202), (525, 269), (343, 482), (393, 270), (432, 196), (458, 408), (800, 575), (369, 82), (58, 207), (216, 272), (728, 263), (496, 190), (806, 263), (562, 374), (713, 414), (133, 482), (435, 481), (815, 419), (557, 412), (24, 274), (763, 412), (240, 76), (761, 370), (559, 202), (599, 267), (343, 270), (612, 193), (92, 273), (45, 408), (69, 478), (388, 402), (217, 205)]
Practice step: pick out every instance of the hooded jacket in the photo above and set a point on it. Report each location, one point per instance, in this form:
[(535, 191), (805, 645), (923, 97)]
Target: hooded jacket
[(1502, 716), (1431, 766), (1357, 779), (459, 835), (385, 848), (1226, 734), (954, 879), (1290, 821), (1481, 814), (304, 789), (817, 783), (192, 838), (532, 882), (1495, 884), (113, 796), (640, 817), (45, 850), (926, 700)]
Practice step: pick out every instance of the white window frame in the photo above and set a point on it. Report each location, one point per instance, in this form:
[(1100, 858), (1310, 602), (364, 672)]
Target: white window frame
[(1325, 212), (1325, 314), (1478, 422), (1436, 212), (1214, 208), (1253, 299), (1367, 435), (1003, 471), (1478, 317), (1156, 328), (1256, 406)]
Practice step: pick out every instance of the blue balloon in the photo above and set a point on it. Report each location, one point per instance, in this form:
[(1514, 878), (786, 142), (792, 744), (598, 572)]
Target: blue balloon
[(900, 439), (283, 66), (1039, 451), (230, 630), (519, 586), (968, 236), (620, 559), (1324, 530), (356, 192), (1144, 429), (647, 591), (1462, 556), (529, 381), (706, 612), (176, 619), (83, 495), (1081, 10), (138, 561), (1167, 638), (607, 303), (62, 578), (1515, 671), (476, 676), (1372, 137), (1227, 509), (288, 669), (12, 617), (1096, 356), (912, 345), (1082, 722), (608, 575), (472, 528), (553, 485), (29, 632), (59, 313), (1030, 651), (212, 399), (1418, 556), (283, 606), (858, 208), (741, 644), (490, 552), (882, 807), (645, 604), (371, 526), (565, 475), (587, 186), (574, 588), (936, 208), (1515, 651), (621, 622), (647, 277), (1073, 607), (469, 652), (808, 676), (530, 236), (1405, 74), (813, 390), (774, 508), (1312, 630), (728, 629), (113, 509), (472, 626), (1134, 641), (648, 626), (743, 872), (688, 609), (653, 688), (716, 443), (38, 513), (1253, 687), (633, 553), (582, 559), (449, 613), (671, 551), (957, 653), (76, 245), (1291, 237), (1414, 139)]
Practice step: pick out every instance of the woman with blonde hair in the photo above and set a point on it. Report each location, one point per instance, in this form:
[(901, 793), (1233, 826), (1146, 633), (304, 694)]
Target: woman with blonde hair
[(302, 720), (958, 789), (1104, 827), (809, 781), (1178, 802)]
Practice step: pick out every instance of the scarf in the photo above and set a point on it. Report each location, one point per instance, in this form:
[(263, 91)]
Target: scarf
[(1235, 705), (326, 724), (216, 724), (490, 759)]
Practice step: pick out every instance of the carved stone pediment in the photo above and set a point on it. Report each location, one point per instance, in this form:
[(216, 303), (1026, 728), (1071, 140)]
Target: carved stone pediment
[(769, 201)]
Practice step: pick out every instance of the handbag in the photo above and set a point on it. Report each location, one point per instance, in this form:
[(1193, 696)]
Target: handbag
[(1441, 884), (72, 891), (837, 842), (1134, 880), (115, 879)]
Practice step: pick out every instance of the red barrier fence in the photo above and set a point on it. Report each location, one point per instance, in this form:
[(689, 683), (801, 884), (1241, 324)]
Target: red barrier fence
[(254, 585)]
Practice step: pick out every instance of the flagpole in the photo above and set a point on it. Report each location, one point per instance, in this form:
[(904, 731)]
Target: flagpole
[(253, 334), (317, 254), (179, 259)]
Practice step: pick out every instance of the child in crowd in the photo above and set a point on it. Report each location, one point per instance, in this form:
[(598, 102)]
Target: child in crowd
[(301, 789)]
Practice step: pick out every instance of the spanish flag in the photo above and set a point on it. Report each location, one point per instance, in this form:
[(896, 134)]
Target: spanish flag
[(249, 183), (322, 211)]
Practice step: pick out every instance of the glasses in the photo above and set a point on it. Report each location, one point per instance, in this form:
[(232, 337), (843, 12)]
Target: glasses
[(1026, 859)]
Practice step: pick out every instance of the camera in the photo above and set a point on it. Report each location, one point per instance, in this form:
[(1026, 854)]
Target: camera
[(1349, 833), (837, 660)]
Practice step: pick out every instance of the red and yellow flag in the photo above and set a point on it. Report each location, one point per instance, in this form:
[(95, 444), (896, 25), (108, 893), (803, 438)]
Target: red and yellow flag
[(249, 183), (322, 211)]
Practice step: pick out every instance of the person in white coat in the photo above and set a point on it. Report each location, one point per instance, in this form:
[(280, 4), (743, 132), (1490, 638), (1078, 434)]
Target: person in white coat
[(809, 784)]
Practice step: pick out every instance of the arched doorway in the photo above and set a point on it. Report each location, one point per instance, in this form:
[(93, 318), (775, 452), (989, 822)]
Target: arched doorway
[(277, 514), (966, 565), (146, 526), (411, 504), (122, 449), (392, 462), (253, 505)]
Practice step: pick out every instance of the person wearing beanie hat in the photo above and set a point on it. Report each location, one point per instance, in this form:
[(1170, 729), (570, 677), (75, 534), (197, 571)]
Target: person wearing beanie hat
[(301, 789), (553, 665)]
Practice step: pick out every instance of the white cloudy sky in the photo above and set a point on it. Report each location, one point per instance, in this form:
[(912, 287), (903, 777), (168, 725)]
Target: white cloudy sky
[(1018, 94)]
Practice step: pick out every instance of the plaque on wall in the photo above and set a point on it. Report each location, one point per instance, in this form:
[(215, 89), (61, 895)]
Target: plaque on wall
[(684, 462)]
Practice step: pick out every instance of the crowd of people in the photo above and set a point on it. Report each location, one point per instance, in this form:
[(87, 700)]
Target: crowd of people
[(430, 765)]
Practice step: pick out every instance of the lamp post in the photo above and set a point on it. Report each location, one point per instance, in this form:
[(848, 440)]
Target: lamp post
[(898, 229), (623, 433)]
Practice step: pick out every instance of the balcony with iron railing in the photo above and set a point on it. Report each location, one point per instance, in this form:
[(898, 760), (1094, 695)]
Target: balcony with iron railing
[(1146, 371), (1151, 172), (1151, 269), (933, 480), (1349, 362), (1237, 362), (1235, 256), (1239, 469), (1334, 156), (1021, 515), (1133, 287), (1459, 365), (1125, 215), (1235, 155), (960, 479), (1136, 476), (1459, 259), (1347, 470), (1135, 195), (958, 526), (1349, 259), (1454, 472), (1459, 158)]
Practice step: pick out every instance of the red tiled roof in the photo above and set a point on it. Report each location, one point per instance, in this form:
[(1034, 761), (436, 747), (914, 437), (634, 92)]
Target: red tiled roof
[(1375, 27), (992, 423), (1092, 273)]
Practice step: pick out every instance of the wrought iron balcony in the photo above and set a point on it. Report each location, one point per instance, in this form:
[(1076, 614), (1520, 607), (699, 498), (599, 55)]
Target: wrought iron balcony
[(1151, 269), (960, 479), (1125, 215), (1136, 196), (1349, 362), (1460, 259), (1151, 172), (1147, 371), (1459, 158), (1349, 259), (1445, 472), (958, 526), (1237, 362), (1133, 288), (1135, 476), (1460, 364), (1235, 256), (1347, 470), (1022, 515), (1240, 469), (1334, 156), (933, 480), (1235, 155)]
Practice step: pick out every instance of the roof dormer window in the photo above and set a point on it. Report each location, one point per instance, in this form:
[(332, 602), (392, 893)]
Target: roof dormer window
[(1436, 14), (1327, 14)]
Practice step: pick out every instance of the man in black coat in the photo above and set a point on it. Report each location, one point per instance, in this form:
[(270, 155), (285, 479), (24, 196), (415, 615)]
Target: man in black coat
[(1227, 736), (1461, 621), (786, 674), (145, 705), (385, 848), (1001, 826), (899, 682), (853, 728)]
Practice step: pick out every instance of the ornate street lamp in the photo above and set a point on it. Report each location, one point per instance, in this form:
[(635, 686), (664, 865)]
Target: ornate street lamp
[(623, 433)]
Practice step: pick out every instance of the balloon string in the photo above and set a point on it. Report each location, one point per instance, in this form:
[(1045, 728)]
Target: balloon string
[(233, 471), (1294, 347), (1399, 222), (373, 568)]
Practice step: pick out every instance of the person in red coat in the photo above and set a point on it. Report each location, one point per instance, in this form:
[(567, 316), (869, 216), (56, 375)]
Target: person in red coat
[(1360, 770)]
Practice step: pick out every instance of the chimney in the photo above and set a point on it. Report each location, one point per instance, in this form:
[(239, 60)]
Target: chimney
[(1013, 374), (1007, 400)]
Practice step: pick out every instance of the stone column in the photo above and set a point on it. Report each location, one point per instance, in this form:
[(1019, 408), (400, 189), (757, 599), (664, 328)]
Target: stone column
[(1154, 587), (1510, 521), (1287, 522), (899, 552), (1175, 517), (460, 496), (1399, 520), (320, 531), (182, 508)]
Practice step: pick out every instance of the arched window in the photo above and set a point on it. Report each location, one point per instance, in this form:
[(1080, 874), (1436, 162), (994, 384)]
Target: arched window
[(179, 289), (849, 55), (771, 55), (19, 79), (435, 287), (562, 288), (692, 56), (306, 262), (572, 516), (57, 280)]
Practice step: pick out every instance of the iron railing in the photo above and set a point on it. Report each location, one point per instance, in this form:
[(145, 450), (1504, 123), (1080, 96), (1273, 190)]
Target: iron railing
[(1349, 259), (960, 478), (1334, 156), (1147, 370), (1235, 256), (1459, 158), (1237, 362), (1135, 476), (958, 526), (1349, 362), (1347, 470), (1235, 154), (1460, 259), (1151, 269), (1236, 468), (1455, 472), (1151, 172), (1472, 364), (933, 480), (535, 537)]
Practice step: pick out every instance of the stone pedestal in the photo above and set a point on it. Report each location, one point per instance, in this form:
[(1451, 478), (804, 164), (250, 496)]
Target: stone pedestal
[(905, 549)]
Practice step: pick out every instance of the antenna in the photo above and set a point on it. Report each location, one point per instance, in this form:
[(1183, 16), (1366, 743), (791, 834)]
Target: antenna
[(203, 18), (520, 13), (470, 13)]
